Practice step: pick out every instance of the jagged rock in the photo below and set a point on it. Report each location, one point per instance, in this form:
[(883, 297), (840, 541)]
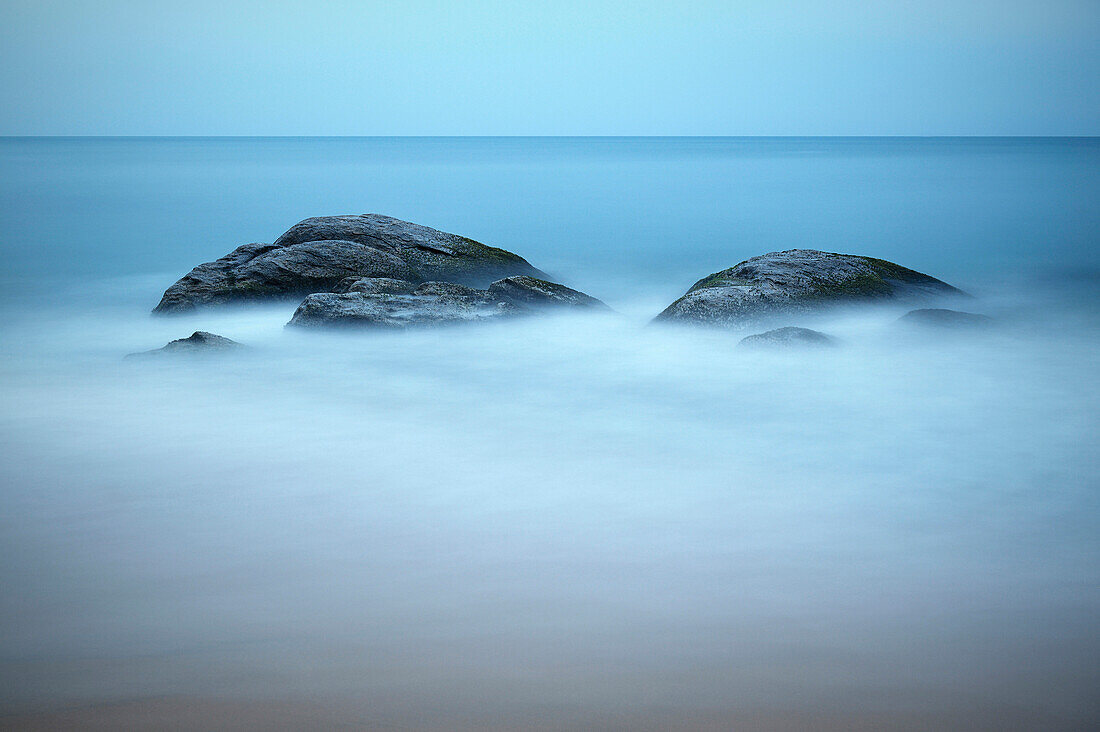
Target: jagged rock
[(798, 281), (941, 318), (788, 337), (435, 303), (318, 254), (199, 342)]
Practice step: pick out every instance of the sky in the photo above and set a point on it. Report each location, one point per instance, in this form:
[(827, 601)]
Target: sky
[(595, 67)]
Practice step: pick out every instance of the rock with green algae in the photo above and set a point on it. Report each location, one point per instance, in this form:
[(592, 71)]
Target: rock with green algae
[(375, 286), (317, 254), (798, 281)]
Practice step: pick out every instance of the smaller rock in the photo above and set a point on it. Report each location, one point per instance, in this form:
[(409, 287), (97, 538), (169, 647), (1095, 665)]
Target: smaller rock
[(942, 318), (200, 342), (386, 303), (531, 292), (788, 337), (433, 303)]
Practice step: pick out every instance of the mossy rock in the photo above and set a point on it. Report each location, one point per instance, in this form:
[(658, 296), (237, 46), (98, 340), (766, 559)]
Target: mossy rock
[(796, 281)]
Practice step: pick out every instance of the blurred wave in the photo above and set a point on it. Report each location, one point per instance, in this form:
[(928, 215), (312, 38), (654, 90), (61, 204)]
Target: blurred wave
[(556, 523)]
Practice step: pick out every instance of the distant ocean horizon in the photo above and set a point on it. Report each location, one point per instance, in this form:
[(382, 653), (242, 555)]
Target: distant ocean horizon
[(616, 212)]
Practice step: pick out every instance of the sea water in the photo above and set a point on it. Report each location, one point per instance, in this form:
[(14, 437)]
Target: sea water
[(568, 522)]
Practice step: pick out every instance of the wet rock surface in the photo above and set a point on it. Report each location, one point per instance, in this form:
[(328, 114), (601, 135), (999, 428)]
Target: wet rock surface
[(375, 286), (319, 254), (397, 305), (799, 281), (531, 292)]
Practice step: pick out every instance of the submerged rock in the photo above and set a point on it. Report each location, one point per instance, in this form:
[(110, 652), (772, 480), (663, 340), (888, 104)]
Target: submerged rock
[(199, 342), (788, 337), (941, 318), (435, 303), (798, 281), (318, 254)]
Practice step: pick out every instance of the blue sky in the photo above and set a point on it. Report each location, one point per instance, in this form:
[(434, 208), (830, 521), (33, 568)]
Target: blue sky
[(804, 67)]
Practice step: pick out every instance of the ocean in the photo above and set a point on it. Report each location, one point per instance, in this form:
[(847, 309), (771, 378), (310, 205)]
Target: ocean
[(567, 522)]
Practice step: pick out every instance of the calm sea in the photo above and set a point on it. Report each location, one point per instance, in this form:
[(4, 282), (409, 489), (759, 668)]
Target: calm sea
[(567, 523)]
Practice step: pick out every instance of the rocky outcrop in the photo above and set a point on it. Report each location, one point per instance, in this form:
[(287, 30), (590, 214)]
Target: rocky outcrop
[(798, 281), (199, 342), (941, 318), (788, 337), (395, 305), (318, 254)]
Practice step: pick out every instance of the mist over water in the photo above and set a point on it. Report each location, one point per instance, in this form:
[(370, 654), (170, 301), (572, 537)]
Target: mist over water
[(569, 522)]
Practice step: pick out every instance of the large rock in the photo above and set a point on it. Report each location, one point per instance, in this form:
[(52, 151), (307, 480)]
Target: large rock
[(199, 342), (798, 281), (788, 337), (390, 304), (317, 254)]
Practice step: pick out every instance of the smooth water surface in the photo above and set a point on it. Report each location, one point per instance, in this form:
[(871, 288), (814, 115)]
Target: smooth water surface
[(558, 523)]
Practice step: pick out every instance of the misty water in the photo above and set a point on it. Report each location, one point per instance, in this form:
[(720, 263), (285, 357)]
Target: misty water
[(564, 522)]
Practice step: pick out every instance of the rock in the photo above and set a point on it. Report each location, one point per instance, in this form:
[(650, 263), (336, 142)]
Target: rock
[(788, 337), (199, 342), (319, 254), (385, 311), (530, 292), (375, 286), (941, 318), (798, 281), (436, 303)]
